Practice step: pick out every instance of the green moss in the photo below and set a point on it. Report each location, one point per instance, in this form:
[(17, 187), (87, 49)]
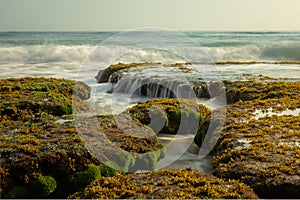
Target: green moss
[(66, 110), (18, 192), (162, 151), (124, 159), (43, 186), (147, 161), (109, 169), (199, 137), (175, 114), (183, 114), (84, 178)]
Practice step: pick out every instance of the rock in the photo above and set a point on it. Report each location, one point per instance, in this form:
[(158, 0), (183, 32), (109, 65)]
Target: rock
[(81, 179), (172, 116), (37, 151), (259, 144), (109, 74), (103, 75), (260, 88), (174, 184), (41, 147), (121, 140), (25, 97)]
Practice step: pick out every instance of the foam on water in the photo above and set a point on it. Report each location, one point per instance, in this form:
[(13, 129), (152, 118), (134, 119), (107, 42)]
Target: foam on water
[(260, 114)]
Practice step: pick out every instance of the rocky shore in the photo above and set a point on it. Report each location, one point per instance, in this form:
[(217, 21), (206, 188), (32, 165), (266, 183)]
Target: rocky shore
[(49, 151)]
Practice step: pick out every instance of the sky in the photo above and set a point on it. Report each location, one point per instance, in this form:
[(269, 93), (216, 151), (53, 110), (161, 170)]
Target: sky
[(105, 15)]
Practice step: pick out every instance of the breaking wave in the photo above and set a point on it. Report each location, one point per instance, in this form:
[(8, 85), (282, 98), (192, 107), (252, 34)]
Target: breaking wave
[(78, 53)]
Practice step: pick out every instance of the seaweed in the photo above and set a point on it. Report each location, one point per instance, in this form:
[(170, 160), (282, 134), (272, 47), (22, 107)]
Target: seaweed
[(250, 147), (177, 115), (183, 184)]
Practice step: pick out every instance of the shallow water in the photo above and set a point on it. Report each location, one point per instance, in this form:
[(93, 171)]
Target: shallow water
[(183, 153)]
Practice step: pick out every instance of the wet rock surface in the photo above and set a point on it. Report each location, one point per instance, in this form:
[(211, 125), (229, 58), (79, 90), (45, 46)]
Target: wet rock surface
[(259, 144), (173, 184), (36, 151), (170, 112), (45, 149)]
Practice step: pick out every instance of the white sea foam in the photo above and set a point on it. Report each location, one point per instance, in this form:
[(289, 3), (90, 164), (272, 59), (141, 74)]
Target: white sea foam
[(32, 54)]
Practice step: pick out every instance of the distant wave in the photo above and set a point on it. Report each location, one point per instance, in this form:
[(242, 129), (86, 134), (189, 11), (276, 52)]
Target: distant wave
[(78, 53), (255, 53), (44, 53)]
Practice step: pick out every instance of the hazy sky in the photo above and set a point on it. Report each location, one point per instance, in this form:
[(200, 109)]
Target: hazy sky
[(62, 15)]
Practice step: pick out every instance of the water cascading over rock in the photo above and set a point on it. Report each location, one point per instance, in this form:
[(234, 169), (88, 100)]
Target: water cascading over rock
[(156, 87)]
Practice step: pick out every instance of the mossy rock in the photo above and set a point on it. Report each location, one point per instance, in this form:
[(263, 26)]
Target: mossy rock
[(37, 188), (119, 139), (103, 75), (259, 88), (262, 151), (177, 115), (43, 186), (173, 184), (28, 150), (22, 98), (33, 143), (81, 179), (124, 159), (109, 169)]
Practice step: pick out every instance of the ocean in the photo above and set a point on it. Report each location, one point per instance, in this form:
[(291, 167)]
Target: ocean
[(216, 55), (60, 54), (212, 56)]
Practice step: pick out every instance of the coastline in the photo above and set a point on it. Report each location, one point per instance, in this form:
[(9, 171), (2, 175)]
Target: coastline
[(141, 129), (260, 96)]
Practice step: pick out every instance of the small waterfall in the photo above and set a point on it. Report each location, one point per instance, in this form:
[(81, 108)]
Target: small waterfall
[(155, 87)]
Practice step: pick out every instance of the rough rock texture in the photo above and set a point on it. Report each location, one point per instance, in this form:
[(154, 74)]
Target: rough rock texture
[(44, 145), (103, 75), (170, 111), (260, 88), (28, 96), (121, 140), (259, 144), (173, 184), (36, 152)]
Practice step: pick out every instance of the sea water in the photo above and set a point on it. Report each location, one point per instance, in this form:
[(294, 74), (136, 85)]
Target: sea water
[(61, 54), (80, 55)]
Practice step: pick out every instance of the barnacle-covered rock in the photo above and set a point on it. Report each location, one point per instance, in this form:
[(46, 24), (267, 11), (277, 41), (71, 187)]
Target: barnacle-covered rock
[(173, 184)]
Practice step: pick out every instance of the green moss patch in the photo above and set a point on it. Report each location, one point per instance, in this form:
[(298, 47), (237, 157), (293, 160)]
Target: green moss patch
[(173, 115), (121, 140), (22, 98)]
